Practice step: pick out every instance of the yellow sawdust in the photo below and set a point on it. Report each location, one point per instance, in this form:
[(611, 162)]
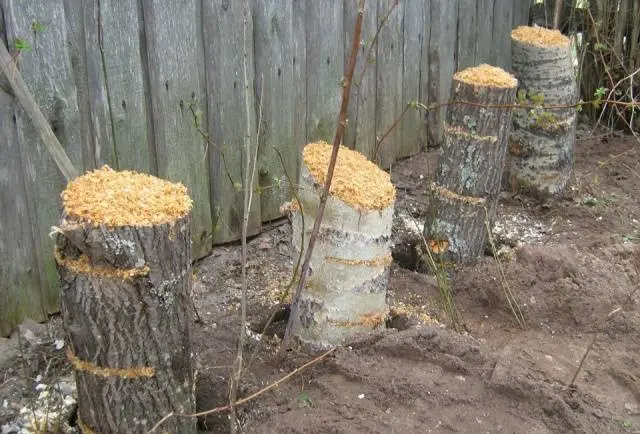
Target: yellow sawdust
[(371, 320), (486, 76), (411, 311), (539, 36), (112, 198), (82, 265), (83, 365), (382, 260), (356, 180)]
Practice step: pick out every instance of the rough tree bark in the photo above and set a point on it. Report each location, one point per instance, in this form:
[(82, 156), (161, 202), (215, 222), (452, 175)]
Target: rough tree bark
[(346, 291), (541, 144), (124, 260), (469, 172)]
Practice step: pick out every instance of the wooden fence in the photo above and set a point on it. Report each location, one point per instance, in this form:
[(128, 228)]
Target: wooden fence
[(142, 84)]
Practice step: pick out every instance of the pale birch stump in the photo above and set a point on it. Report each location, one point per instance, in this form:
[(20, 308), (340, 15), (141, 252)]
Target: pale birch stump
[(346, 291), (541, 146), (124, 260), (469, 173)]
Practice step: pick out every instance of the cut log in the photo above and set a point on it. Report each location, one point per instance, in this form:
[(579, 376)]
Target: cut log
[(124, 259), (541, 146), (346, 291), (468, 177)]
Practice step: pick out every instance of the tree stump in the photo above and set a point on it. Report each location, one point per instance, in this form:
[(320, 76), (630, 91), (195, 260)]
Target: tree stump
[(468, 177), (541, 146), (124, 259), (346, 291)]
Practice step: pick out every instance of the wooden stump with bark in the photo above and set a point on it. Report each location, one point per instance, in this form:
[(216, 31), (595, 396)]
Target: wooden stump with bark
[(541, 146), (468, 177), (346, 291), (124, 259)]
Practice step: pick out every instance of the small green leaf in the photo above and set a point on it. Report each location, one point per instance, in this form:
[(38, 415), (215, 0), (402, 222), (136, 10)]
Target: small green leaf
[(38, 27), (304, 400), (22, 44)]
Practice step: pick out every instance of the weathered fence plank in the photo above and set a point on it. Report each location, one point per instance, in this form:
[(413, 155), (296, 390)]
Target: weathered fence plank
[(274, 52), (223, 47), (442, 64), (413, 39), (299, 82), (502, 33), (325, 67), (173, 45), (77, 53), (118, 81), (46, 68), (102, 144), (467, 28), (484, 33), (389, 102), (424, 72), (20, 284), (521, 12), (361, 127)]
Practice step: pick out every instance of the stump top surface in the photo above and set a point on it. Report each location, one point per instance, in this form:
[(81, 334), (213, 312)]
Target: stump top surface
[(539, 36), (486, 76), (126, 198), (356, 180)]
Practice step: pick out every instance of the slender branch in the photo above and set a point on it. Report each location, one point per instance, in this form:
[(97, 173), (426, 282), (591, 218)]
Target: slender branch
[(247, 398), (342, 121), (248, 178)]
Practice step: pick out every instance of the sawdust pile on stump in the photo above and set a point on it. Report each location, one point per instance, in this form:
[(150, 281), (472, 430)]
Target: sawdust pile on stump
[(356, 180), (105, 196), (539, 36), (486, 75)]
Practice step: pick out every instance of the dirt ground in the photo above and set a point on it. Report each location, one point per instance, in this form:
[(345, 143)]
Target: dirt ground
[(571, 262)]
